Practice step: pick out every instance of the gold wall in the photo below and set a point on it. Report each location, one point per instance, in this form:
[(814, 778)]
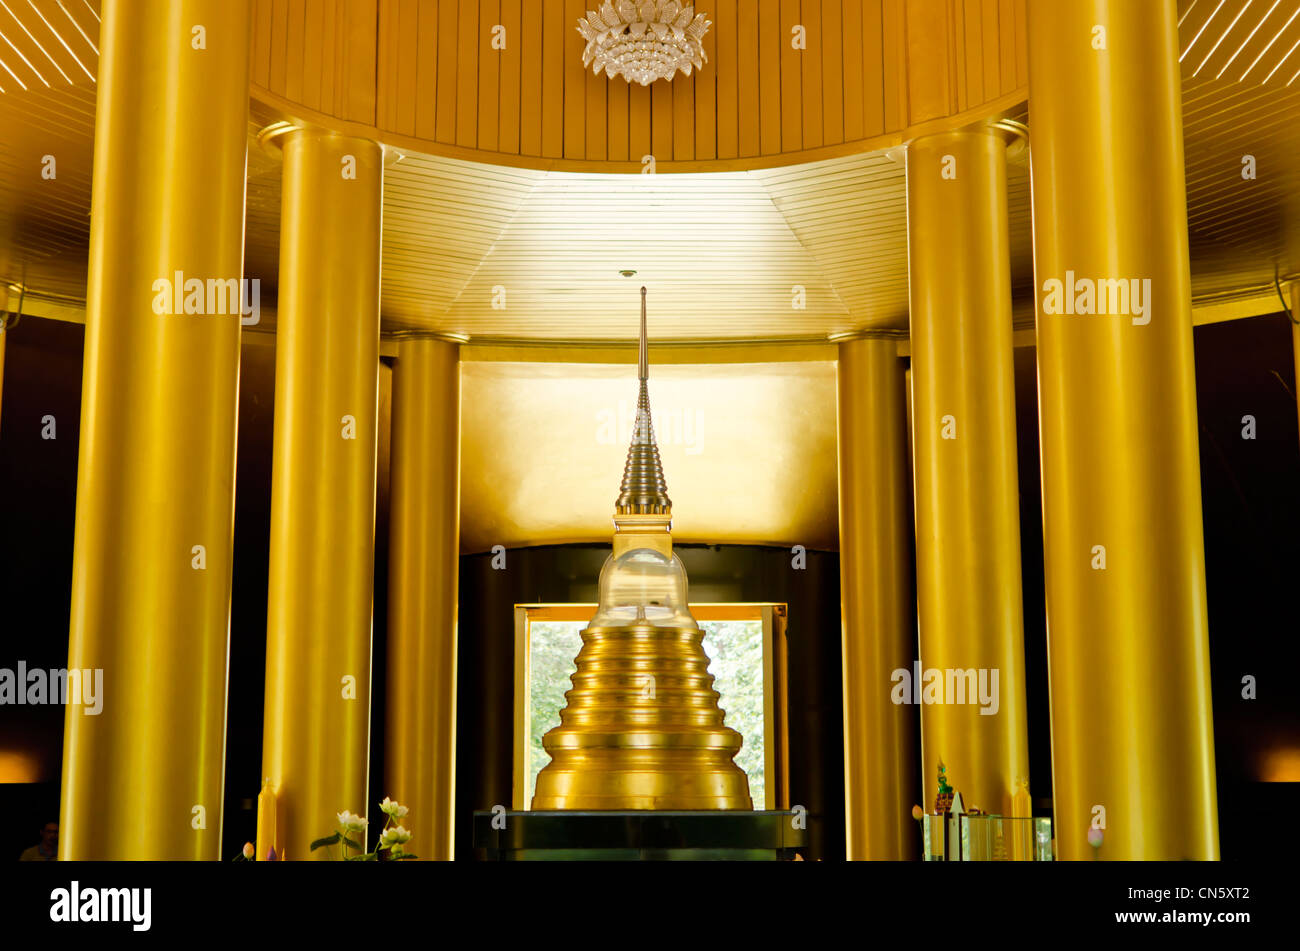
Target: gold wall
[(748, 451)]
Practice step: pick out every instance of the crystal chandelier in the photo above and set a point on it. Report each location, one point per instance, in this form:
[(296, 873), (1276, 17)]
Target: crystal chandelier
[(645, 40)]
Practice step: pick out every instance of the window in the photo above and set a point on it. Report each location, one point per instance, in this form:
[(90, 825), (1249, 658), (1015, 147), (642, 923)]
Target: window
[(746, 648)]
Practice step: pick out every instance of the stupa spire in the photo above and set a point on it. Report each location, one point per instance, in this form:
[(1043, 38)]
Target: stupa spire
[(644, 490)]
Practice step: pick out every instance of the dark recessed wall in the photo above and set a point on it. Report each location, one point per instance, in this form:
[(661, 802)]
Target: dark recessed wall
[(38, 491), (724, 573), (1250, 490)]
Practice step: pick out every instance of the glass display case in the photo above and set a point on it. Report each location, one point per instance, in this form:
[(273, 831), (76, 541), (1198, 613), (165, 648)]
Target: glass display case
[(986, 838)]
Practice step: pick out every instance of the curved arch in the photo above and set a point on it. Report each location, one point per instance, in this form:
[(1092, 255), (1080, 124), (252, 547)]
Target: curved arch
[(502, 81)]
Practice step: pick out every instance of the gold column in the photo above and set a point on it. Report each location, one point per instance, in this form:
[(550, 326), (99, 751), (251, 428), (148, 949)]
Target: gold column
[(317, 726), (1129, 659), (1295, 333), (4, 326), (151, 564), (880, 768), (964, 440), (424, 549)]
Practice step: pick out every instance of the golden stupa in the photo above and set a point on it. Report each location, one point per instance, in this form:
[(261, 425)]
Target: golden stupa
[(642, 728)]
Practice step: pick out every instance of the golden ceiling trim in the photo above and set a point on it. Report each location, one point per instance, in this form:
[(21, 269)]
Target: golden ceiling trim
[(665, 352), (407, 143), (1007, 125), (882, 333), (271, 139), (446, 337)]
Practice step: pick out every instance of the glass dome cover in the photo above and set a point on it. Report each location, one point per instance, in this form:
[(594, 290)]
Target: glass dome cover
[(642, 586)]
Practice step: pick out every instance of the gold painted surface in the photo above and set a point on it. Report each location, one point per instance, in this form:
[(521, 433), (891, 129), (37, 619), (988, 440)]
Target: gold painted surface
[(1295, 330), (964, 436), (788, 350), (880, 762), (420, 739), (845, 242), (317, 723), (49, 44), (143, 778), (767, 431), (1239, 40), (711, 245), (430, 75), (44, 222), (47, 108), (1240, 70), (4, 326), (1129, 662)]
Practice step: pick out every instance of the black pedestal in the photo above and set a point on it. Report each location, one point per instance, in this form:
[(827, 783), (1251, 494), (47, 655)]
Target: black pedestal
[(639, 836)]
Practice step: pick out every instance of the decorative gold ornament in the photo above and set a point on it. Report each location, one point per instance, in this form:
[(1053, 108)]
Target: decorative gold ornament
[(644, 41), (642, 728)]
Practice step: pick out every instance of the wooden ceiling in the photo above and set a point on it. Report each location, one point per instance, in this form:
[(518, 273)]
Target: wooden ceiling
[(725, 253), (503, 81), (1241, 97)]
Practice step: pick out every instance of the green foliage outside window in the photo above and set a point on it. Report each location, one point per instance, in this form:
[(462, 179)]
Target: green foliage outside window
[(735, 650), (553, 645)]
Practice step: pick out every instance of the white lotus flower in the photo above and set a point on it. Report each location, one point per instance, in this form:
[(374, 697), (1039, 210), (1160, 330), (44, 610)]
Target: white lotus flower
[(394, 835), (392, 808), (351, 822)]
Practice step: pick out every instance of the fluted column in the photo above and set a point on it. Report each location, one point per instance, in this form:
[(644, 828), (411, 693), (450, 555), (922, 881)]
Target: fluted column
[(423, 568), (880, 763), (151, 568), (317, 724), (1132, 739), (973, 716)]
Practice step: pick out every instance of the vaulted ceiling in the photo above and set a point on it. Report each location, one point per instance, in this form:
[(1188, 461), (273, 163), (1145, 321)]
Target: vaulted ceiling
[(500, 250)]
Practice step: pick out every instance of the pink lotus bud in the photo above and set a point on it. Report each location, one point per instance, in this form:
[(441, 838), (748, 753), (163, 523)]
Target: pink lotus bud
[(249, 851)]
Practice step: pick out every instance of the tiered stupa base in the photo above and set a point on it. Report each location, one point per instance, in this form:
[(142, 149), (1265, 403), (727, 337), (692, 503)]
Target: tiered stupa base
[(642, 728)]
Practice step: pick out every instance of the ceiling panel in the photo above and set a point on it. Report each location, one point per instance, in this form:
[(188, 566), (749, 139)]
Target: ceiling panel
[(1241, 41), (47, 44), (1241, 100), (714, 250), (724, 253)]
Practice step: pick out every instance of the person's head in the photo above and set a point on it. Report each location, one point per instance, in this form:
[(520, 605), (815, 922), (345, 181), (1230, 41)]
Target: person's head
[(50, 836)]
